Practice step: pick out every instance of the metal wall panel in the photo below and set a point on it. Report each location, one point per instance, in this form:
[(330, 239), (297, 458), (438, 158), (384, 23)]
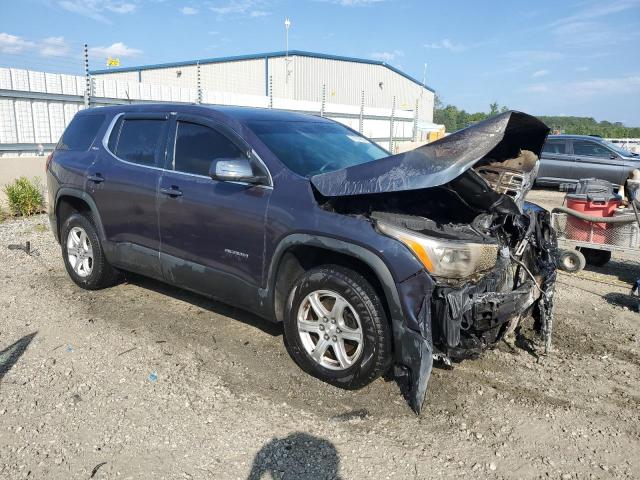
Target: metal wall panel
[(40, 114), (5, 78), (24, 121), (8, 133)]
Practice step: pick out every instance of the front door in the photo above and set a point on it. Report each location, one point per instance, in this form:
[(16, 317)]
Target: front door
[(211, 232), (124, 185), (594, 160)]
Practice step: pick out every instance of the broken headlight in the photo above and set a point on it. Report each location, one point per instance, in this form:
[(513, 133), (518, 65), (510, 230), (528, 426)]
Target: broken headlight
[(445, 258)]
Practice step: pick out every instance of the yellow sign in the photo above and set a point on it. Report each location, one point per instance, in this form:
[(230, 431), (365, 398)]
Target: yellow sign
[(113, 62)]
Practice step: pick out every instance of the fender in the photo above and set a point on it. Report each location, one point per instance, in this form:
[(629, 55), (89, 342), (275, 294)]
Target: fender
[(411, 349), (84, 196), (383, 273)]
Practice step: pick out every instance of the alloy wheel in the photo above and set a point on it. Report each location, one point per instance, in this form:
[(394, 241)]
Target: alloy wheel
[(330, 330), (79, 252)]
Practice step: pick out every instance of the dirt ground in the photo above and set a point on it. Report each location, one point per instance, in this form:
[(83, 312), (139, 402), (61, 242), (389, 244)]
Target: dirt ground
[(144, 381)]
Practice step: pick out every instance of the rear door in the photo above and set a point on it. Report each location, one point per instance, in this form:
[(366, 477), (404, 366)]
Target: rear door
[(124, 184), (212, 232), (556, 164), (594, 160)]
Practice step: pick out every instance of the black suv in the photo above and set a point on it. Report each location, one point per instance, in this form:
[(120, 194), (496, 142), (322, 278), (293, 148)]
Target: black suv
[(369, 260)]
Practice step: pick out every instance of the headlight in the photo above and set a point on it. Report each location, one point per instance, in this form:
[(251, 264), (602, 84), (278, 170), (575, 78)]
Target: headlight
[(445, 258)]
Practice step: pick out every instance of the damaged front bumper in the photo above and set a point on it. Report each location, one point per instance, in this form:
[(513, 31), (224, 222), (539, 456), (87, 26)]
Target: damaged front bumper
[(460, 322)]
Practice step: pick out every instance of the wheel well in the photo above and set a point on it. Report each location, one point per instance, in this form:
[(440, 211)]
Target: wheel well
[(301, 258), (68, 205)]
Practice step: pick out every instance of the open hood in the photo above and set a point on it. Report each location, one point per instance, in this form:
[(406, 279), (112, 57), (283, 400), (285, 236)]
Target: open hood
[(499, 138)]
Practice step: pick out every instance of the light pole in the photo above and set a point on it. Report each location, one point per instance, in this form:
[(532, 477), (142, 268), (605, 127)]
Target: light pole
[(287, 25)]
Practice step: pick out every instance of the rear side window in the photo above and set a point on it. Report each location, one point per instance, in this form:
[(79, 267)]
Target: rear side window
[(139, 141), (80, 133), (197, 146), (555, 146), (590, 149)]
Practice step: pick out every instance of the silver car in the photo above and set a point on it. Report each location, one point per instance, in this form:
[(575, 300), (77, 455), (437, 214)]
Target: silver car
[(568, 158)]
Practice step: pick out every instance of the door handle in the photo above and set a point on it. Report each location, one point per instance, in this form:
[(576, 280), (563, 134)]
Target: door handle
[(172, 192), (97, 178)]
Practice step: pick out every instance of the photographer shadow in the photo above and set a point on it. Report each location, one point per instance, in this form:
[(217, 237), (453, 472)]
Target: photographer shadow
[(297, 456)]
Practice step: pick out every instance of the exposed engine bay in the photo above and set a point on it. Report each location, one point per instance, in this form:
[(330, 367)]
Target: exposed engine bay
[(474, 312), (458, 205)]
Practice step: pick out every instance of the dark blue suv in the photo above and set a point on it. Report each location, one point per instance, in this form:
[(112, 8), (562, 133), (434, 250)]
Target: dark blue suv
[(370, 260)]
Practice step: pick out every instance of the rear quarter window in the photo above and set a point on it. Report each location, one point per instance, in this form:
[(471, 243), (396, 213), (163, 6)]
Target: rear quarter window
[(80, 133)]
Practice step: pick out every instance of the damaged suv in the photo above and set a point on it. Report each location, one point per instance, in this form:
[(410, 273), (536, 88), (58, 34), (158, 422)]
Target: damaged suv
[(370, 260)]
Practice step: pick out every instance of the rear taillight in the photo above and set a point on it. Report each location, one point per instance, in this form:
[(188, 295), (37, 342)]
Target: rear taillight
[(46, 165)]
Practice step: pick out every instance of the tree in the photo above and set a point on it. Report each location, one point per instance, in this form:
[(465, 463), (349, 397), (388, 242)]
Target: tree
[(454, 119)]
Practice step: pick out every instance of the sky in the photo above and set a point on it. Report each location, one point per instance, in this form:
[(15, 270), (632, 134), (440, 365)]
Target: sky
[(549, 57)]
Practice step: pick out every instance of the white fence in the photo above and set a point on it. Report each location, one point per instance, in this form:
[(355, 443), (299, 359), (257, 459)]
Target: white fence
[(35, 108)]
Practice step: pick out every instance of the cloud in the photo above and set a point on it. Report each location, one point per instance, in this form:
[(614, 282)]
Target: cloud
[(259, 13), (603, 86), (355, 3), (387, 56), (597, 9), (117, 50), (13, 44), (189, 11), (121, 7), (534, 55), (48, 47), (587, 27), (96, 9), (447, 44), (582, 69), (540, 73), (596, 87), (537, 88), (54, 47)]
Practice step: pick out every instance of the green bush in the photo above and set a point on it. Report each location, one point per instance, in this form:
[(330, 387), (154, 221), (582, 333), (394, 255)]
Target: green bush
[(24, 197)]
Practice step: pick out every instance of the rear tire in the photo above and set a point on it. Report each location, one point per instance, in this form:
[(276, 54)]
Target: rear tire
[(83, 254), (336, 329), (597, 258)]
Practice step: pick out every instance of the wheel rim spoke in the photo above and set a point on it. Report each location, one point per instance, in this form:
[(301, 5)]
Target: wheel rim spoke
[(341, 354), (353, 335), (338, 309), (317, 306), (320, 350), (308, 326)]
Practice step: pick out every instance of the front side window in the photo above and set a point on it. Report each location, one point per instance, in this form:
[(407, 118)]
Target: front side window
[(139, 140), (80, 133), (590, 149), (555, 147), (197, 146), (312, 147)]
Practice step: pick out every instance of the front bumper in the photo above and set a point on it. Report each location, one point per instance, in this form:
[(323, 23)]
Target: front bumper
[(461, 322)]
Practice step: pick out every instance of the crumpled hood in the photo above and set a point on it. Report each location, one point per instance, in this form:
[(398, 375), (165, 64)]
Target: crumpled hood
[(495, 139)]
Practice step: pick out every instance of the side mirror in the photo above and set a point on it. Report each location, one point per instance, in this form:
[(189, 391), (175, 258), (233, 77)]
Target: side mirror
[(234, 170)]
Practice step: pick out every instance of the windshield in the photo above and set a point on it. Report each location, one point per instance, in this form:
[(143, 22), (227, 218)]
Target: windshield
[(309, 148), (618, 148)]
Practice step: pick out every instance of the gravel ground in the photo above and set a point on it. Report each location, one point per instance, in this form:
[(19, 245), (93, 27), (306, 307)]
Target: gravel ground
[(143, 380)]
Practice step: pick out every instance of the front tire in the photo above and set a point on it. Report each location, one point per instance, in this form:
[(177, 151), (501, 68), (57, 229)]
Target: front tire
[(83, 254), (336, 329)]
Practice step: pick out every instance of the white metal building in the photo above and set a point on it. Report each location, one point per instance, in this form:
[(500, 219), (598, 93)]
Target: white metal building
[(297, 75)]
